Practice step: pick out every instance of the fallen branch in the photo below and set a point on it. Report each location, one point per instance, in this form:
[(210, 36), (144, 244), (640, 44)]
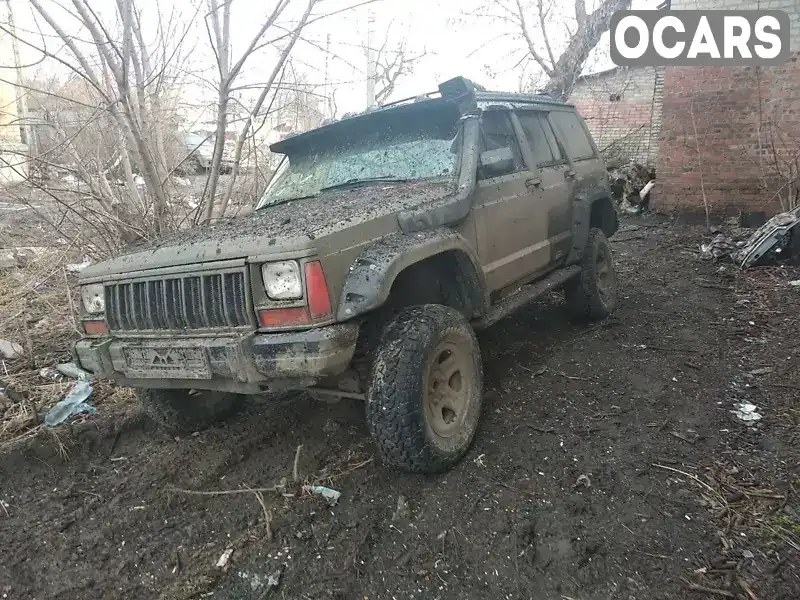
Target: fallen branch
[(295, 468), (701, 588), (694, 478), (274, 488), (743, 584)]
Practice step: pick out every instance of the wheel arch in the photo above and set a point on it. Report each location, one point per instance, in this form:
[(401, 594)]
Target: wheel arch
[(591, 208), (377, 269)]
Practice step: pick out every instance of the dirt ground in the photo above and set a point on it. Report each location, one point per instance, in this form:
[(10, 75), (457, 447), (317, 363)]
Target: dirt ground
[(608, 466)]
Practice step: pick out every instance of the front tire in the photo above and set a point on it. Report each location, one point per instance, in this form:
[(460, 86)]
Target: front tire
[(424, 400), (187, 411), (592, 295)]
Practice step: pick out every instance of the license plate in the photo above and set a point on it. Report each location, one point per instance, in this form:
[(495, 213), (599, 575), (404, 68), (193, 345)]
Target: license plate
[(144, 362)]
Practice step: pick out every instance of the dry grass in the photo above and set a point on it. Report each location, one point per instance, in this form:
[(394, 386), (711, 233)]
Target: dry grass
[(37, 312)]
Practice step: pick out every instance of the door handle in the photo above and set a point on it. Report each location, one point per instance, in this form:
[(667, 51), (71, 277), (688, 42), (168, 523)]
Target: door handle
[(533, 182), (569, 174)]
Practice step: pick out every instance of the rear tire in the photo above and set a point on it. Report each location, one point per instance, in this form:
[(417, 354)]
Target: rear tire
[(187, 411), (592, 295), (424, 400)]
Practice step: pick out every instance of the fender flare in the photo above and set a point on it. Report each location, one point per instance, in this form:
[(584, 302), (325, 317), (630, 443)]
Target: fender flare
[(582, 204), (372, 274)]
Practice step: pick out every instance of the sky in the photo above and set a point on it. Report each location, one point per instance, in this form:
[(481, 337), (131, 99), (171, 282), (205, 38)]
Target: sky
[(453, 43)]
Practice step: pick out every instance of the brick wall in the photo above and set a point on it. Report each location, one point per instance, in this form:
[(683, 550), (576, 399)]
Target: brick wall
[(622, 108), (747, 123)]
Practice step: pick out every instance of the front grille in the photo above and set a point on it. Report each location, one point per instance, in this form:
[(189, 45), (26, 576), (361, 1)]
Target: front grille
[(208, 301)]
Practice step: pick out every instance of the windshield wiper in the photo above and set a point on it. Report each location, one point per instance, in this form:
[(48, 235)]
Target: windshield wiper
[(285, 200), (359, 181)]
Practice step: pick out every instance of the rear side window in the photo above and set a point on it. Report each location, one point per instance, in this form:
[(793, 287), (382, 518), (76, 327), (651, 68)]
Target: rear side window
[(572, 135), (497, 132), (540, 137)]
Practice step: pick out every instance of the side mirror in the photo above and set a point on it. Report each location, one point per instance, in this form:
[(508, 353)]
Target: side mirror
[(497, 162)]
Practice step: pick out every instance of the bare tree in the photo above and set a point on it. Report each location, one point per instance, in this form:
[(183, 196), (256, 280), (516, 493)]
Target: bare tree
[(110, 117), (538, 28), (391, 64)]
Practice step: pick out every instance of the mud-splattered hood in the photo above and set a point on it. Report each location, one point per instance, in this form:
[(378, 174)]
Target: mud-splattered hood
[(295, 226)]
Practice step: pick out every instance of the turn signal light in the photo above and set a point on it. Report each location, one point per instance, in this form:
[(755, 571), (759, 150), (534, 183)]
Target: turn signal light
[(283, 317), (95, 327)]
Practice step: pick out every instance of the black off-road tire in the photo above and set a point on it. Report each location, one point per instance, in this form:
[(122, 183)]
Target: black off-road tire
[(407, 419), (187, 411), (593, 294)]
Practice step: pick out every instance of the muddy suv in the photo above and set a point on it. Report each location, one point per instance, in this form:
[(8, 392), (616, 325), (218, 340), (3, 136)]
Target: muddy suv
[(382, 243)]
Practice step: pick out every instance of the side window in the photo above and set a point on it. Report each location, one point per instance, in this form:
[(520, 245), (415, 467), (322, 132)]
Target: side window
[(534, 127), (555, 147), (572, 135), (497, 132)]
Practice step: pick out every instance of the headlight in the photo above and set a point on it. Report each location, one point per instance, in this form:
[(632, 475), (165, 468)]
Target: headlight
[(282, 280), (93, 297)]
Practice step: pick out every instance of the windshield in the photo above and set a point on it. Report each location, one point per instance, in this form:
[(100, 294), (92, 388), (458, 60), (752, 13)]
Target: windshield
[(425, 147)]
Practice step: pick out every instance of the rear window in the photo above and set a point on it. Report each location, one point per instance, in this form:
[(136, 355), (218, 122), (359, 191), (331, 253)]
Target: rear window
[(572, 134)]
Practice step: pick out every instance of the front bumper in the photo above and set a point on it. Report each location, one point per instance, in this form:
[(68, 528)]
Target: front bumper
[(249, 363)]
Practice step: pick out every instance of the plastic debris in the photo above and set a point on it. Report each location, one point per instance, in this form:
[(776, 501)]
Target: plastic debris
[(72, 370), (403, 510), (747, 412), (721, 245), (225, 559), (49, 373), (78, 267), (332, 496), (274, 578), (74, 403), (10, 350), (770, 242), (795, 283), (583, 481), (762, 371)]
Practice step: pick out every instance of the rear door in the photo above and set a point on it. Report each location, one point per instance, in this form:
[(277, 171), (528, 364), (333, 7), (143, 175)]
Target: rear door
[(553, 194), (512, 239), (575, 139)]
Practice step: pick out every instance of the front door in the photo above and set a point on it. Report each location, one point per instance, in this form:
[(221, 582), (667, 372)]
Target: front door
[(512, 238)]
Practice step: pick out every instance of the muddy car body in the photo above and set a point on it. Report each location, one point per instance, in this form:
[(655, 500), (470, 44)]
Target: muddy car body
[(384, 240)]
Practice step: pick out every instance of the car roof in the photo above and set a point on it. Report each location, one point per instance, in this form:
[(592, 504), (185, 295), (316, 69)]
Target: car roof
[(409, 107)]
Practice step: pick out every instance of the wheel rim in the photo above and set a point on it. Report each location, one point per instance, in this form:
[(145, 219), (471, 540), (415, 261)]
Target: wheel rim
[(604, 273), (447, 389)]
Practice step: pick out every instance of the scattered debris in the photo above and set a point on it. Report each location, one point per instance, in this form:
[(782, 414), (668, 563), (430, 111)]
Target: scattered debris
[(49, 373), (746, 412), (224, 560), (72, 370), (761, 371), (773, 241), (722, 245), (8, 261), (10, 350), (403, 510), (74, 403), (690, 436), (332, 496), (631, 184), (78, 267), (582, 481), (274, 578)]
